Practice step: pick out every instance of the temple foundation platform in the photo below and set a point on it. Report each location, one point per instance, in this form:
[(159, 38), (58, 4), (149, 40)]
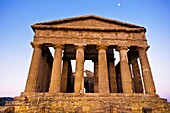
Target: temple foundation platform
[(89, 103)]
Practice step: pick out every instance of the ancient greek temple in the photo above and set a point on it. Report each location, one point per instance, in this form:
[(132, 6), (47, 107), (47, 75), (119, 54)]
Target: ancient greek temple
[(126, 86), (89, 38)]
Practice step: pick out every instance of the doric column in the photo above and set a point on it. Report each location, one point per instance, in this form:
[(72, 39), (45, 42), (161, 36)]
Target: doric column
[(55, 83), (34, 68), (46, 80), (79, 73), (48, 70), (112, 77), (137, 76), (118, 78), (103, 70), (41, 74), (146, 71), (96, 85), (70, 84), (64, 76), (124, 70)]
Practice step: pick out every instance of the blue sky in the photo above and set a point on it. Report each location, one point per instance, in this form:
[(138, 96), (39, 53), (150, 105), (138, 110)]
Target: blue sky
[(17, 16)]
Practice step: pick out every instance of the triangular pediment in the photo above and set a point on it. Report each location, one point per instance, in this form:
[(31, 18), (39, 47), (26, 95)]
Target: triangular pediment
[(89, 21)]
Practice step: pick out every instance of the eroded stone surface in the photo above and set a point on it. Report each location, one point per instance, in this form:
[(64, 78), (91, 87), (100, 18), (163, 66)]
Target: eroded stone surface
[(89, 103), (52, 87)]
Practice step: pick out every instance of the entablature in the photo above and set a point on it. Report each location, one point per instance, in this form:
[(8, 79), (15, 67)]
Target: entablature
[(90, 29)]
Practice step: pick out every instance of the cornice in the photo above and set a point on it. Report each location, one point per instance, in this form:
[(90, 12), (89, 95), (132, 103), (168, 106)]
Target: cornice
[(48, 27)]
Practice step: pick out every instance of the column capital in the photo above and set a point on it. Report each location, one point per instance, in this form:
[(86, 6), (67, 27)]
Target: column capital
[(122, 48), (79, 46), (143, 48), (36, 45), (101, 47), (58, 46)]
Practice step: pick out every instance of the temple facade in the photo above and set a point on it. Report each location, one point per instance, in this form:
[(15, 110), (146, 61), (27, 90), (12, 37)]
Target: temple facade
[(127, 86)]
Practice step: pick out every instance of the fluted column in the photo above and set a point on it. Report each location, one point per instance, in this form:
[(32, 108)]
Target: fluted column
[(103, 70), (46, 80), (137, 76), (79, 74), (146, 71), (41, 74), (70, 84), (96, 85), (47, 70), (64, 76), (112, 76), (55, 83), (124, 70), (34, 68)]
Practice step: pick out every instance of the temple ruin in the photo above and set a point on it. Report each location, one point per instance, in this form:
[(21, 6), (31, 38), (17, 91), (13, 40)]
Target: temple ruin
[(126, 86)]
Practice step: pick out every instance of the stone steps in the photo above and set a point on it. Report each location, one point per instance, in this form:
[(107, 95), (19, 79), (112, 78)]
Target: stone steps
[(88, 103)]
